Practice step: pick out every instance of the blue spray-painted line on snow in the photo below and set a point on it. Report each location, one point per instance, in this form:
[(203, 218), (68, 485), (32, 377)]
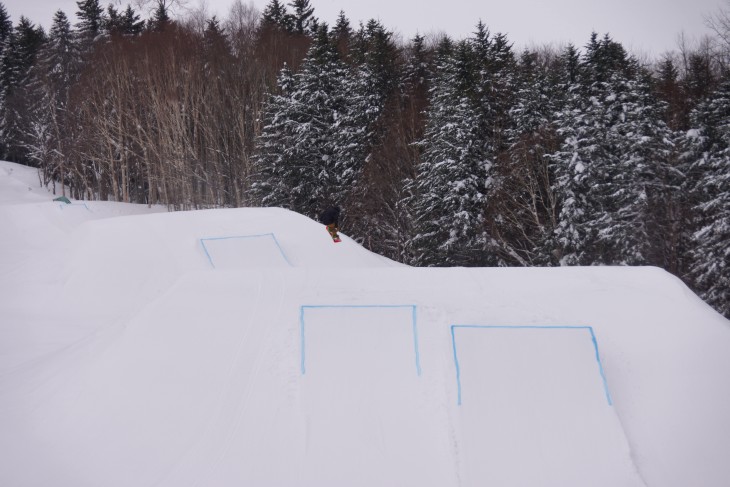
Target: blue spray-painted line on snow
[(600, 366), (286, 259), (531, 327), (359, 306), (458, 369), (210, 259), (64, 205)]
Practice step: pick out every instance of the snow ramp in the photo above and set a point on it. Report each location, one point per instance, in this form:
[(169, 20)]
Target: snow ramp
[(365, 402), (127, 358), (535, 409)]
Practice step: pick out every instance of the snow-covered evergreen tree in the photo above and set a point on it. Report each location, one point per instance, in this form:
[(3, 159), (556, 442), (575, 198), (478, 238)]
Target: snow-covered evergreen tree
[(527, 206), (571, 185), (669, 90), (19, 57), (353, 131), (466, 131), (494, 66), (370, 85), (51, 80), (615, 145), (450, 187), (709, 183), (312, 147), (672, 208), (376, 52), (342, 35), (417, 70), (273, 159), (644, 145), (6, 32), (6, 26), (91, 22)]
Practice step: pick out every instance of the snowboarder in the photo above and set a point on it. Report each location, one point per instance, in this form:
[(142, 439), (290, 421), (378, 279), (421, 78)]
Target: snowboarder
[(330, 218)]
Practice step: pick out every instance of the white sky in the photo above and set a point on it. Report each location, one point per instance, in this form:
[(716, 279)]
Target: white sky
[(643, 26)]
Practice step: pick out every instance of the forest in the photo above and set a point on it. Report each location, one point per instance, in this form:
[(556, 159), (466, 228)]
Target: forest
[(440, 151)]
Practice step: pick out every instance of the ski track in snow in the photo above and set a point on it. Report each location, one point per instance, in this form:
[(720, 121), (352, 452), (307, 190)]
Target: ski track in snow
[(149, 366)]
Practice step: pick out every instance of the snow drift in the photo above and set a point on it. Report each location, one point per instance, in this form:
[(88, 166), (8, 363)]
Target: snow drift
[(242, 347)]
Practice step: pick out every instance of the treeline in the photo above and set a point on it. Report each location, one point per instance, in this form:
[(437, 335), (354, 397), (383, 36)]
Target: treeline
[(440, 151)]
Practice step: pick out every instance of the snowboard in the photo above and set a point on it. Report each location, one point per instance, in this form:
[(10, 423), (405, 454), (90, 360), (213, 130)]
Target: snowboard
[(333, 234)]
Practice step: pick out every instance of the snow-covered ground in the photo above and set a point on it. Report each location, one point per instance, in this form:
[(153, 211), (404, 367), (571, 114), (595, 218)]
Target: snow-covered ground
[(242, 347)]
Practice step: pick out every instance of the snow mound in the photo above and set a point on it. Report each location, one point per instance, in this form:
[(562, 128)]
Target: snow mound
[(243, 347), (538, 386)]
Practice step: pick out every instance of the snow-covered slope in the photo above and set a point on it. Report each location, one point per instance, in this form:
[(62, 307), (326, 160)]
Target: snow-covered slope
[(243, 347)]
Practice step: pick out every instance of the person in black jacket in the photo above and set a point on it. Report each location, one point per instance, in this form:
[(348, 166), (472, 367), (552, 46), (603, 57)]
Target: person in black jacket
[(330, 218)]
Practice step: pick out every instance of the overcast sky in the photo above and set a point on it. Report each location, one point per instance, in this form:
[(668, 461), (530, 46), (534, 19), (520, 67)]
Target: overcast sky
[(643, 26)]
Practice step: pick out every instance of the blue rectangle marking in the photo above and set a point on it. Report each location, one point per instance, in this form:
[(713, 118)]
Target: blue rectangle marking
[(302, 326), (263, 235), (594, 340)]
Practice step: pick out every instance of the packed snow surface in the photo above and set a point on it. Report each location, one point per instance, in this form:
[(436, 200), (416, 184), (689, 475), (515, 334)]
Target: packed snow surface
[(242, 347)]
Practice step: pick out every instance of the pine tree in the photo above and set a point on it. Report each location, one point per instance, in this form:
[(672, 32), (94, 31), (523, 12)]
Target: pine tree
[(19, 57), (6, 27), (644, 145), (21, 50), (318, 133), (417, 70), (6, 35), (670, 91), (450, 187), (495, 68), (709, 183), (59, 57), (126, 23), (296, 161), (302, 20), (586, 159), (112, 20), (53, 76), (91, 22), (214, 37), (275, 15), (608, 167), (568, 165), (494, 90), (6, 39), (366, 89), (699, 80), (130, 22), (570, 66), (342, 35), (415, 83), (273, 159), (526, 202), (376, 53), (359, 108), (160, 18)]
